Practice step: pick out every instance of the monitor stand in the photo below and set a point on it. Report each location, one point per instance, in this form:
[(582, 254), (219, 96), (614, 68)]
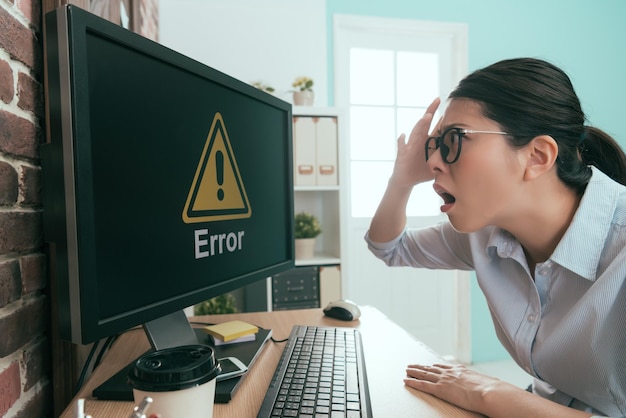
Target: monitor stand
[(170, 331), (175, 330)]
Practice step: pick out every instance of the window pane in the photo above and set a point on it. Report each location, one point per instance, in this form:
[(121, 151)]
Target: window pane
[(372, 133), (368, 182), (424, 201), (375, 127), (371, 76), (407, 117), (418, 78)]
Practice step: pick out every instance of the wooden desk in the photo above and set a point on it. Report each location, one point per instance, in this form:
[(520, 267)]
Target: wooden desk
[(388, 350)]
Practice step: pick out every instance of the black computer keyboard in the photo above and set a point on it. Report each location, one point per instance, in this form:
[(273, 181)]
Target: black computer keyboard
[(321, 374)]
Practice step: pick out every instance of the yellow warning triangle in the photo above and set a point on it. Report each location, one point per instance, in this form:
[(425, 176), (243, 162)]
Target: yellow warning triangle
[(217, 192)]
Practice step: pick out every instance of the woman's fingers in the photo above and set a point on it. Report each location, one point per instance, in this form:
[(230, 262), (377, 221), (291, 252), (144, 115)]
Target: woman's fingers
[(434, 367), (410, 166), (432, 107), (434, 372), (424, 373), (420, 130)]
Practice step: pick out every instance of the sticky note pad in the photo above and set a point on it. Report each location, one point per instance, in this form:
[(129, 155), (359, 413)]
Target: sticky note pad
[(227, 331), (244, 339)]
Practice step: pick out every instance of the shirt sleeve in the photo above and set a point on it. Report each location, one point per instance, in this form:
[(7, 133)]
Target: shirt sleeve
[(434, 247)]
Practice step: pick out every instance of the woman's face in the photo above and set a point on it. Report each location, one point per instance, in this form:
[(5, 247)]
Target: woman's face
[(482, 187)]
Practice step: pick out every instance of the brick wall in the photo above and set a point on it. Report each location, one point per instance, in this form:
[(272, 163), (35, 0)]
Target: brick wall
[(26, 381), (25, 384)]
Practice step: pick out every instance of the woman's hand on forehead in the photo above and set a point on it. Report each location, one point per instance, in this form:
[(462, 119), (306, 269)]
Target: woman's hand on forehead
[(410, 167)]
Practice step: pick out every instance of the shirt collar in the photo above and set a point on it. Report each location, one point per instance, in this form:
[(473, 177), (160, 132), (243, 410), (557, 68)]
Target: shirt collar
[(581, 247)]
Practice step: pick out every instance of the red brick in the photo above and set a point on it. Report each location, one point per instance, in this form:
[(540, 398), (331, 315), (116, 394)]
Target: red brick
[(37, 406), (36, 363), (9, 387), (30, 94), (30, 184), (9, 187), (19, 41), (31, 9), (20, 232), (6, 82), (10, 283), (32, 267), (18, 136), (28, 322)]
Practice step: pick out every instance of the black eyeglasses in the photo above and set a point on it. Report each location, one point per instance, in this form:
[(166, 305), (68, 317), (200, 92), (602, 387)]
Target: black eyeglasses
[(449, 143)]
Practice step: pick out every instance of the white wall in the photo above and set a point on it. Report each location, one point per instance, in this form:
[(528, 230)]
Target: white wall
[(273, 41)]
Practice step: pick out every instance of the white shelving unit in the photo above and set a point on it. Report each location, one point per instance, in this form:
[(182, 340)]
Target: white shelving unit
[(321, 193), (323, 200)]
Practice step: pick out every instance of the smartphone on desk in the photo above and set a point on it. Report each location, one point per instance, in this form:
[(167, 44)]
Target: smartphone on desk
[(231, 367)]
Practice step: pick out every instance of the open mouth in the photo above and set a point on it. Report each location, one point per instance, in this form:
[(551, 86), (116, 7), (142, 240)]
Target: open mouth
[(448, 199)]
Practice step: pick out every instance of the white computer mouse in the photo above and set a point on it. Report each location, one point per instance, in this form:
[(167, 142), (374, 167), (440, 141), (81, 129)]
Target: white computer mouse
[(343, 309)]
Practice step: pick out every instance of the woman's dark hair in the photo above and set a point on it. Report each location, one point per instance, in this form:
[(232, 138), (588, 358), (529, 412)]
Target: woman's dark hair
[(530, 97)]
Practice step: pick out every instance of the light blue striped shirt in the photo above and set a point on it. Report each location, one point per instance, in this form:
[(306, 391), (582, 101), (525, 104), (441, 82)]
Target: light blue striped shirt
[(567, 328)]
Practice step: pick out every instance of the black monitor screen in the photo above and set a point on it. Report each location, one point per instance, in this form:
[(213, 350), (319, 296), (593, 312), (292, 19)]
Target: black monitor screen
[(166, 182)]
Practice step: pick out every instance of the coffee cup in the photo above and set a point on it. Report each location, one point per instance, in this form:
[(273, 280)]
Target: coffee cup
[(180, 381)]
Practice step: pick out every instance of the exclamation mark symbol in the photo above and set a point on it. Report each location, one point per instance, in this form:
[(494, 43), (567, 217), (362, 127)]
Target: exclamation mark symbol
[(219, 167)]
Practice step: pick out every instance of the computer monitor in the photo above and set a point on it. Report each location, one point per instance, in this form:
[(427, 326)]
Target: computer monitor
[(165, 182)]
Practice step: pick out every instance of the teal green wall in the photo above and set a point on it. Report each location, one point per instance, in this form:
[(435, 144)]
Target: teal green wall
[(584, 37)]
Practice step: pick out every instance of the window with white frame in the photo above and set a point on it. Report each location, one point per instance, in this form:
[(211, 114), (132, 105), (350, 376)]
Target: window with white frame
[(387, 72)]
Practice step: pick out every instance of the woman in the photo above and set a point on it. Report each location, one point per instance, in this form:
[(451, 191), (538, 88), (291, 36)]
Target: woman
[(536, 207)]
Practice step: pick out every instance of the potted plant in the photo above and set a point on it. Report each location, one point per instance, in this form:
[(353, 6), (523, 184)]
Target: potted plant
[(222, 304), (307, 228), (303, 93), (264, 87)]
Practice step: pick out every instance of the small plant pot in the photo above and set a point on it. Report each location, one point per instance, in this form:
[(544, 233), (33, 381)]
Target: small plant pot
[(303, 98), (305, 248)]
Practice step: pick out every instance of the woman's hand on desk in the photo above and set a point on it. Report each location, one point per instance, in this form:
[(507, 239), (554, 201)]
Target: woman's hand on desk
[(455, 384), (483, 394)]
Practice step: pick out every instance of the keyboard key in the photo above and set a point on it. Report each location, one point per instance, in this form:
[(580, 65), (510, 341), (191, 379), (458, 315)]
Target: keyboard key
[(322, 410), (353, 406)]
